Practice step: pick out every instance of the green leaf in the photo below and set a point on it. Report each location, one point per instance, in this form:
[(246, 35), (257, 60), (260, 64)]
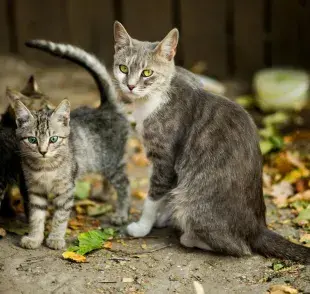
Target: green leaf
[(265, 146), (276, 266), (303, 215), (92, 240), (82, 189), (276, 141)]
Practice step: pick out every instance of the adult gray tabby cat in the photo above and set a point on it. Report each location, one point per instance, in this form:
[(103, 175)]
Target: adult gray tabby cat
[(57, 147), (207, 164)]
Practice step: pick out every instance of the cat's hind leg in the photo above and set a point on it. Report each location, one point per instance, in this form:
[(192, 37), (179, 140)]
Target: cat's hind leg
[(190, 240)]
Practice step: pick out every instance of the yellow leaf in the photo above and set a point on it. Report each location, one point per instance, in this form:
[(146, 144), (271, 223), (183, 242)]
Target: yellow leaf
[(143, 246), (282, 289), (305, 238), (140, 159), (107, 245), (139, 194), (74, 256)]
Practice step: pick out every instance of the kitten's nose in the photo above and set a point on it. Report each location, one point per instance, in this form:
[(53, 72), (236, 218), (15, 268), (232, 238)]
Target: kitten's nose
[(131, 87), (43, 152)]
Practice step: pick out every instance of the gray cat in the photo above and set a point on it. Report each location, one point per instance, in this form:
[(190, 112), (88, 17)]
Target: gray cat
[(58, 147), (207, 164)]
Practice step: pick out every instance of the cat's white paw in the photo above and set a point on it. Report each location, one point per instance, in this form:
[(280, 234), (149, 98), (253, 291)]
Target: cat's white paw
[(138, 229), (30, 242), (56, 243)]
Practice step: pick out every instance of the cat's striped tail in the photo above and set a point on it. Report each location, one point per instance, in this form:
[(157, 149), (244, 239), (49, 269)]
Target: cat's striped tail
[(86, 60)]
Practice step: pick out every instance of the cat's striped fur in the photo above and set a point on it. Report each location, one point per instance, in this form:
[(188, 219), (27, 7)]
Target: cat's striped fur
[(89, 140)]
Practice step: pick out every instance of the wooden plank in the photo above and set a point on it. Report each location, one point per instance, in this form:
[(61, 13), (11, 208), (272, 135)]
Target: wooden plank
[(304, 35), (204, 35), (285, 47), (4, 28), (91, 27), (147, 20), (248, 37), (41, 19)]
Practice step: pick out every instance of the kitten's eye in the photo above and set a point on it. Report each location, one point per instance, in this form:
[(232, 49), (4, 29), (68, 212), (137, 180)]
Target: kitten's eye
[(32, 140), (147, 73), (123, 68), (53, 139)]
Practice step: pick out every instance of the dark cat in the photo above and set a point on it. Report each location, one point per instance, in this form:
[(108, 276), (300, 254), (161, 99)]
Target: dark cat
[(207, 164)]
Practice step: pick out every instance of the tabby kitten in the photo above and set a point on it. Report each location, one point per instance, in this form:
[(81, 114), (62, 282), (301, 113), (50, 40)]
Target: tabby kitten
[(34, 99), (58, 147), (207, 164)]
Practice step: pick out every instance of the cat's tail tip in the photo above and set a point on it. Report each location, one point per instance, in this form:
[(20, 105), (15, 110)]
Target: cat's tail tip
[(271, 244)]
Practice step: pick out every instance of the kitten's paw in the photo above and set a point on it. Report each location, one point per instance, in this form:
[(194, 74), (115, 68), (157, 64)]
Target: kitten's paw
[(118, 219), (55, 243), (138, 229), (30, 242)]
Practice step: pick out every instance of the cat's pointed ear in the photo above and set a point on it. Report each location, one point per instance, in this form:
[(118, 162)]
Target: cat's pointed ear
[(167, 48), (121, 37), (31, 86), (22, 114), (62, 112)]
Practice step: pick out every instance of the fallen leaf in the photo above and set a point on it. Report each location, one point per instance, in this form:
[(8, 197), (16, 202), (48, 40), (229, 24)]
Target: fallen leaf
[(276, 266), (74, 256), (16, 226), (99, 209), (144, 246), (301, 185), (139, 194), (305, 239), (304, 215), (127, 280), (2, 233), (295, 175), (82, 189), (282, 289), (107, 245), (92, 240), (281, 192), (139, 159), (303, 196)]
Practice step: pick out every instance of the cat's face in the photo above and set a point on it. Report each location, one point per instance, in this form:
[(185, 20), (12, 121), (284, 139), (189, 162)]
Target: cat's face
[(43, 134), (141, 68)]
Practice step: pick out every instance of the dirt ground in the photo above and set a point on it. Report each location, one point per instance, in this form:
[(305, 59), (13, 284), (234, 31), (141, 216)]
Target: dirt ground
[(157, 264)]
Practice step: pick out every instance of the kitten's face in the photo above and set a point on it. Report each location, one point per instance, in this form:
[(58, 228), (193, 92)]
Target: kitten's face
[(141, 68), (43, 134)]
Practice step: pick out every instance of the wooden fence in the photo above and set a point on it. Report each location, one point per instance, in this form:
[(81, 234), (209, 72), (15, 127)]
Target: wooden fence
[(234, 37)]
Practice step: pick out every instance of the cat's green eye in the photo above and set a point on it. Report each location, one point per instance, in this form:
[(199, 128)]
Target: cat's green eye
[(32, 140), (53, 139), (147, 73), (123, 68)]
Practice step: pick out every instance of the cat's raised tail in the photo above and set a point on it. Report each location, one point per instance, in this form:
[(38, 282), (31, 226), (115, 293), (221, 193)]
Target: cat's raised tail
[(86, 60), (271, 244)]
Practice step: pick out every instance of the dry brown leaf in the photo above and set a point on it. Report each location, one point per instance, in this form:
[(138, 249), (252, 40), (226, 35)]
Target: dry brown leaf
[(300, 196), (2, 233), (282, 289), (107, 245), (301, 185), (281, 192), (282, 163), (74, 256), (305, 238), (139, 194), (139, 159)]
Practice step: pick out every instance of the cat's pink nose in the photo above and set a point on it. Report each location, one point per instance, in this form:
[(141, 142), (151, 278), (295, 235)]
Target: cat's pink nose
[(131, 87)]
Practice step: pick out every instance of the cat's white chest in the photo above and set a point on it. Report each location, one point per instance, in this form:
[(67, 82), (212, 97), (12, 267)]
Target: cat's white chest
[(144, 108)]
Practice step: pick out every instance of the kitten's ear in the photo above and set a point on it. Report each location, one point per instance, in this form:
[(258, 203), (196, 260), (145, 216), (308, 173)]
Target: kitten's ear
[(22, 113), (121, 37), (62, 112), (31, 86), (167, 48)]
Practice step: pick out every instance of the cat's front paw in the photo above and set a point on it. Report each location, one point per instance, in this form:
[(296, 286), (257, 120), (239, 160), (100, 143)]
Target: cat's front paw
[(138, 229), (119, 219), (30, 242), (55, 243)]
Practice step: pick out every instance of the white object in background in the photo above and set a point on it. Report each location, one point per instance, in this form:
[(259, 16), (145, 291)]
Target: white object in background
[(281, 89), (211, 84)]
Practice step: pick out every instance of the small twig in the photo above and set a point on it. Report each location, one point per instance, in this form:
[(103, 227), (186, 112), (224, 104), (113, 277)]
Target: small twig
[(119, 259), (107, 282), (137, 238), (153, 250)]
